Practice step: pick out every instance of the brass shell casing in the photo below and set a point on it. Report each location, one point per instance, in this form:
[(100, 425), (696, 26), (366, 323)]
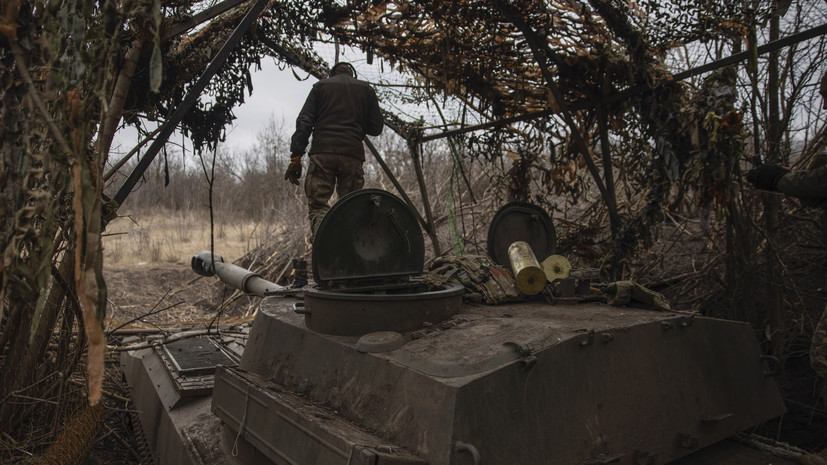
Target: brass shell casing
[(556, 267), (529, 277)]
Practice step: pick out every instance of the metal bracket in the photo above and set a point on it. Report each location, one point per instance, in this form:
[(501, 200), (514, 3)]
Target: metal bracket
[(588, 339), (298, 307)]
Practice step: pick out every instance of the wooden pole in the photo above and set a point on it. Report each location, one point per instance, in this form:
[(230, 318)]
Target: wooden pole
[(415, 147)]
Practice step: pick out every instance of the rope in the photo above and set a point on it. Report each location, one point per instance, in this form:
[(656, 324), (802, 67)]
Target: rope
[(243, 424)]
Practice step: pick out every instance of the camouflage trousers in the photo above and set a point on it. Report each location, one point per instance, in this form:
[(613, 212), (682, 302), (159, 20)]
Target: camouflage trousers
[(818, 347), (325, 173)]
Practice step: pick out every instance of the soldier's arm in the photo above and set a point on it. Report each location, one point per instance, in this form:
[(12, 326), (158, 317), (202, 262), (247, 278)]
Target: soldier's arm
[(375, 120), (305, 123), (805, 184)]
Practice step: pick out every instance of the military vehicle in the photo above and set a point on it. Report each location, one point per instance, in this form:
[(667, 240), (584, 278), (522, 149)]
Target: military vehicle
[(371, 365)]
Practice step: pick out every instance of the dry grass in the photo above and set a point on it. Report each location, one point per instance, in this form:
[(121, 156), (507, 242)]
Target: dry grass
[(147, 265), (150, 238)]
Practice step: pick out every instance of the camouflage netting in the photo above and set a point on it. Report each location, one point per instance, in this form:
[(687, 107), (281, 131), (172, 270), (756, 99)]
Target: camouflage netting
[(444, 65), (476, 52), (71, 71)]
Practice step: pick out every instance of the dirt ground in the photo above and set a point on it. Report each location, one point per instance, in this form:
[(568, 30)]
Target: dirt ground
[(169, 295), (149, 279)]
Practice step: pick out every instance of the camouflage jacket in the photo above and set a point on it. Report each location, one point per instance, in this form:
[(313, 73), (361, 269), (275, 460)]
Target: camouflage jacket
[(810, 186), (338, 113)]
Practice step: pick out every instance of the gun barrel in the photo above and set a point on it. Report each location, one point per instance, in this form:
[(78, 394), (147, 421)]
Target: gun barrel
[(234, 275)]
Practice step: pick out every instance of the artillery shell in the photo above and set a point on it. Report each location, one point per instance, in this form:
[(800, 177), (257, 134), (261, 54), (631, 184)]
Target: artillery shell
[(529, 277)]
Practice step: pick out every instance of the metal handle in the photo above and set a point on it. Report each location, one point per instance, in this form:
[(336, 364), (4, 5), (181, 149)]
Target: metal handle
[(375, 202), (397, 226), (465, 447), (587, 339), (298, 307)]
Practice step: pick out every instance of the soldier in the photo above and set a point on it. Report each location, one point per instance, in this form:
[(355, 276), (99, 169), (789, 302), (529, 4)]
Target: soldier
[(811, 187), (339, 112)]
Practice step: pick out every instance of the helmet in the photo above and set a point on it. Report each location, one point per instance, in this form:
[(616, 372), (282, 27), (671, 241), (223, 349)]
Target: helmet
[(350, 69)]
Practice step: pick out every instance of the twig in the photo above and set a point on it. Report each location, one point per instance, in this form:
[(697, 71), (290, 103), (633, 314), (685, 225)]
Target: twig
[(131, 153), (45, 401), (124, 443), (173, 338), (150, 313), (105, 392), (677, 225), (286, 266), (674, 279), (133, 331), (14, 444), (121, 410), (778, 449), (15, 393)]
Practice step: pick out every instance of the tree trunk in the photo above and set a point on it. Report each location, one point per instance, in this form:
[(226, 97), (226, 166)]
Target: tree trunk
[(775, 296)]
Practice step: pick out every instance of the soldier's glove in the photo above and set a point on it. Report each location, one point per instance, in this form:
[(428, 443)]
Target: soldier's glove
[(766, 176), (294, 170)]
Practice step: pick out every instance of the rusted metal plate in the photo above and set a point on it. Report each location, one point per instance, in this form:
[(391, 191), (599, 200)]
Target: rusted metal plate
[(367, 235), (520, 221)]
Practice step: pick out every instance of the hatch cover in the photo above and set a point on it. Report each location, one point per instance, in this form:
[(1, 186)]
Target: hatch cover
[(196, 356), (520, 221), (368, 234)]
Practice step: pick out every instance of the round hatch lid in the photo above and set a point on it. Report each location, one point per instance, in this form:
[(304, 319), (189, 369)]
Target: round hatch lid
[(521, 221), (369, 234)]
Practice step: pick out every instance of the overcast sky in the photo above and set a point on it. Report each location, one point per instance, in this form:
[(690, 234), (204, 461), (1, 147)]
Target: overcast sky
[(276, 93)]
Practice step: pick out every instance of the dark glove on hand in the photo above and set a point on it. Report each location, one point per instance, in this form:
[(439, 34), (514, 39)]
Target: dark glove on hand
[(294, 170), (766, 177)]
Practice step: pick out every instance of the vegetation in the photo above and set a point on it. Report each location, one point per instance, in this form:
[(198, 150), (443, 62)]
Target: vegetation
[(571, 105)]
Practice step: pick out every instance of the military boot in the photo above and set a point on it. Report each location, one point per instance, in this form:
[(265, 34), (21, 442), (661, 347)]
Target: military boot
[(299, 273)]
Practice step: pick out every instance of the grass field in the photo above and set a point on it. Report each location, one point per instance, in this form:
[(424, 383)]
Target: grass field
[(169, 237), (147, 269)]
